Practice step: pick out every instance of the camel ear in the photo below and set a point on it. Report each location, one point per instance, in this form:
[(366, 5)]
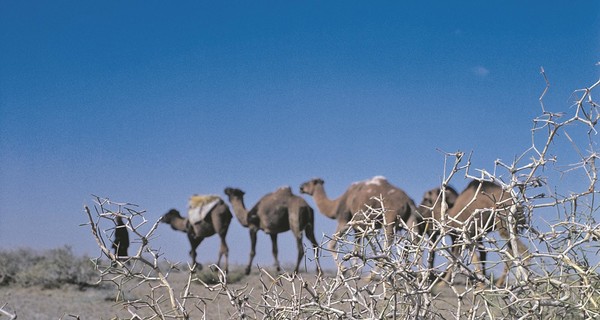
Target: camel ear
[(230, 191), (319, 181)]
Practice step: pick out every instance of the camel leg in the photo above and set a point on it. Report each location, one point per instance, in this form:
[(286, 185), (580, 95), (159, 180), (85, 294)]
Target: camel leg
[(223, 251), (332, 247), (275, 250), (341, 228), (482, 256), (390, 225), (310, 235), (521, 249), (252, 249), (431, 258), (479, 261), (296, 229), (300, 251), (456, 254), (195, 242), (502, 279), (389, 237)]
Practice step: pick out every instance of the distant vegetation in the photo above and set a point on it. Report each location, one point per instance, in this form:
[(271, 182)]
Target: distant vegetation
[(48, 269)]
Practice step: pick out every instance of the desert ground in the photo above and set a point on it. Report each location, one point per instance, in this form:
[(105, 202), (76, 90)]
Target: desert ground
[(106, 302), (206, 301)]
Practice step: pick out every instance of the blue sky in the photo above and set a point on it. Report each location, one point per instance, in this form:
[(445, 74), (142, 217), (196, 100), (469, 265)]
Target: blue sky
[(149, 102)]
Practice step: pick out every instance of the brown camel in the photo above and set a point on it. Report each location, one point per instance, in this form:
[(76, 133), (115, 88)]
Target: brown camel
[(216, 220), (482, 206), (431, 209), (399, 206), (274, 213)]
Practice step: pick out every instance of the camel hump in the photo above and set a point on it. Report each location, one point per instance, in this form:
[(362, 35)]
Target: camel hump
[(284, 189), (200, 206), (474, 184), (199, 200), (376, 180)]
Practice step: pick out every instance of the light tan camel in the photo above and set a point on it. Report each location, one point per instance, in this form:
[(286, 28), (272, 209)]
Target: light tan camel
[(274, 213), (217, 221), (358, 197), (481, 207)]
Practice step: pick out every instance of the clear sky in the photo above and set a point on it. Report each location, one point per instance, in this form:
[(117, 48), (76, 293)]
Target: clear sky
[(149, 102)]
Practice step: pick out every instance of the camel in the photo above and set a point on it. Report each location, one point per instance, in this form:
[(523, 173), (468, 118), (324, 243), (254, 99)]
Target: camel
[(360, 195), (483, 206), (121, 242), (217, 220), (431, 209), (275, 213)]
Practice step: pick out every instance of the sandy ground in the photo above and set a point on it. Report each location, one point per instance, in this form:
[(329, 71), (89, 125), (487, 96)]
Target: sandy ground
[(35, 303), (106, 302), (71, 302)]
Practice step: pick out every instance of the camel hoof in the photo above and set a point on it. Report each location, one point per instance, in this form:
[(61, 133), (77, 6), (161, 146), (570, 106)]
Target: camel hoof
[(196, 267)]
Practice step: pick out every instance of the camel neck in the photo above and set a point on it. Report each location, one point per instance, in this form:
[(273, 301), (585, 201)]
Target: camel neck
[(239, 209), (179, 223), (327, 206)]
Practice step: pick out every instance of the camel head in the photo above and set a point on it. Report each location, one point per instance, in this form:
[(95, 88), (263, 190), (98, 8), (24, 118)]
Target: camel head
[(234, 192), (432, 196), (170, 216), (309, 186)]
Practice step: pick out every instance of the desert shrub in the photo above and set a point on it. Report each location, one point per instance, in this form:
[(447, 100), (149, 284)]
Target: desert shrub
[(12, 262), (211, 275), (48, 269)]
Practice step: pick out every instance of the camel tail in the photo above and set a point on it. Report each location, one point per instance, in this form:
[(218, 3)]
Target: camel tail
[(309, 232), (309, 215)]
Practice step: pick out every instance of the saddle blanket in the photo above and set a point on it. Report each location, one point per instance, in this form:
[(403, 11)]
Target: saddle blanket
[(200, 206)]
